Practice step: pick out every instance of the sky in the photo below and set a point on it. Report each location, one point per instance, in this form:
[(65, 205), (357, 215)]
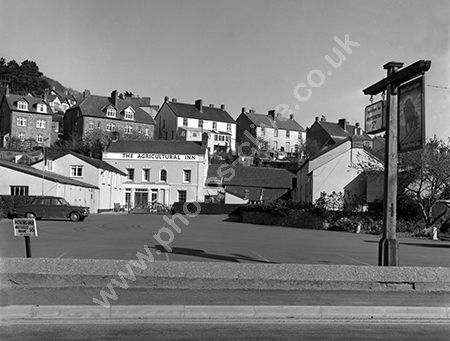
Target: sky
[(252, 54)]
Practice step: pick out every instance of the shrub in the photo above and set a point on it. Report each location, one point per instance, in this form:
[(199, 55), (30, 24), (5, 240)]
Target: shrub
[(206, 208)]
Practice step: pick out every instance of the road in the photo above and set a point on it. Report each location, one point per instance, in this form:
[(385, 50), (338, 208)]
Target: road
[(281, 330), (210, 238)]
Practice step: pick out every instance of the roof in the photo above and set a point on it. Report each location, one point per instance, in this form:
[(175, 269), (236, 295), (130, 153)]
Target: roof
[(261, 177), (256, 193), (93, 106), (32, 101), (156, 146), (278, 123), (335, 130), (207, 113), (48, 175)]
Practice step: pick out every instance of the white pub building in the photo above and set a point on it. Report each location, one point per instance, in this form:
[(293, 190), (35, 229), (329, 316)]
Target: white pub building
[(159, 171)]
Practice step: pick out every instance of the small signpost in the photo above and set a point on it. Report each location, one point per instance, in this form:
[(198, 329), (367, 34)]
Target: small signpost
[(25, 227), (388, 245)]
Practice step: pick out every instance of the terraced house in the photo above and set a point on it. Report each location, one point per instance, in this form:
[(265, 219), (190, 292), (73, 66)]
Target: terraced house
[(108, 114), (25, 118), (188, 122)]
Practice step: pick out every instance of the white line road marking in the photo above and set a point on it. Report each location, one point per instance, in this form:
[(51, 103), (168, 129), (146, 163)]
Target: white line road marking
[(63, 254), (355, 260), (265, 259)]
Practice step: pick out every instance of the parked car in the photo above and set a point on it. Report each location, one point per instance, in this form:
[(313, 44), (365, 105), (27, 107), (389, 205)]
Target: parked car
[(50, 207)]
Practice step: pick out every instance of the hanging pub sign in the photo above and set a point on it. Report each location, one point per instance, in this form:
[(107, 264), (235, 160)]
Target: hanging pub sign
[(411, 115), (375, 118)]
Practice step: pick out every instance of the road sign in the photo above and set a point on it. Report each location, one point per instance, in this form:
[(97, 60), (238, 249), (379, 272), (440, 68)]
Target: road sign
[(375, 118), (25, 227)]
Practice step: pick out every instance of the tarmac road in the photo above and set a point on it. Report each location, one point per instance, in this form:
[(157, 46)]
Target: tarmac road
[(211, 238)]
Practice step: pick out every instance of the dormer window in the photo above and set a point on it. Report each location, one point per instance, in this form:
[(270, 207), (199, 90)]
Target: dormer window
[(41, 107), (128, 114), (110, 112), (22, 105)]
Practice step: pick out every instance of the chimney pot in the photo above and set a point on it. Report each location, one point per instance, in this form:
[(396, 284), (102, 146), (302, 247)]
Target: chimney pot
[(222, 106), (211, 105), (243, 110), (166, 99), (174, 100), (252, 111), (323, 118), (357, 124), (86, 93), (317, 119), (291, 116)]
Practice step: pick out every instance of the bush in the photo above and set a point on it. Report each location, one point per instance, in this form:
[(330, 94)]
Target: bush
[(205, 208), (7, 202)]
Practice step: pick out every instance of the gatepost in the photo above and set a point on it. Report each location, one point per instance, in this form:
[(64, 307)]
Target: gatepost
[(388, 245)]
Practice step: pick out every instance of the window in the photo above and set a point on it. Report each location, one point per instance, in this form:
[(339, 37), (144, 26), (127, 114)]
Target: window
[(164, 123), (263, 131), (187, 175), (130, 174), (154, 195), (128, 129), (163, 175), (288, 133), (109, 127), (19, 190), (288, 147), (41, 108), (129, 115), (275, 133), (181, 196), (21, 136), (22, 105), (275, 145), (229, 127), (216, 137), (146, 131), (215, 125), (128, 197), (91, 125), (99, 125), (40, 124), (76, 171), (200, 123), (110, 112), (185, 121), (40, 139), (146, 174), (21, 122)]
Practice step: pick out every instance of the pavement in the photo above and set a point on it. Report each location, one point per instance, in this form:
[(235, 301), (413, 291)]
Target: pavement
[(78, 290)]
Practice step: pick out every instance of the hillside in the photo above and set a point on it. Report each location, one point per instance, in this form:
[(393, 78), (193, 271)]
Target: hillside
[(61, 88)]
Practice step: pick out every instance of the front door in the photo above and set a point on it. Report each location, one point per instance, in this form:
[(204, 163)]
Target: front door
[(141, 198)]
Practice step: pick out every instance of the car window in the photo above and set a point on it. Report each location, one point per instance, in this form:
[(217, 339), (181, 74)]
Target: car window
[(56, 202), (46, 201), (37, 202), (64, 202)]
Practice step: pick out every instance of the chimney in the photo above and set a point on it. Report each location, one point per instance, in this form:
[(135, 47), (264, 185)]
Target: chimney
[(45, 95), (272, 114), (166, 99), (343, 123), (317, 119), (174, 100), (357, 124), (222, 106), (114, 98), (86, 93), (323, 118), (252, 111), (243, 110), (291, 117), (7, 91), (199, 105), (211, 105)]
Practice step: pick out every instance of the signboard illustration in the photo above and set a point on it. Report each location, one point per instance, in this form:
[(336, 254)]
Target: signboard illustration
[(411, 116), (25, 227), (375, 118)]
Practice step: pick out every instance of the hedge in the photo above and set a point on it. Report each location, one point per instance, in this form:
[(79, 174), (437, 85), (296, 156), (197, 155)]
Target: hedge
[(295, 218), (206, 208)]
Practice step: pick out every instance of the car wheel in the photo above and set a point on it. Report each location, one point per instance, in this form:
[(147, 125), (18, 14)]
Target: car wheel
[(74, 216), (30, 215)]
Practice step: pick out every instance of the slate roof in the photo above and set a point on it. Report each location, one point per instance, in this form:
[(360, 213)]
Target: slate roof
[(48, 175), (207, 113), (256, 193), (156, 146), (93, 106), (261, 177), (11, 99), (279, 122), (336, 131)]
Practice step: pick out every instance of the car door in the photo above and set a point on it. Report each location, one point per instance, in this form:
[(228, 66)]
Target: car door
[(38, 207)]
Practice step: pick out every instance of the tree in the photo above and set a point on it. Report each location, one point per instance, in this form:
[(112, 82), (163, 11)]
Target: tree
[(22, 79), (309, 148), (423, 177)]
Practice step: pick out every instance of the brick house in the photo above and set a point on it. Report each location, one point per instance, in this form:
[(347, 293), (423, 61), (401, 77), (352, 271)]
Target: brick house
[(188, 122), (108, 114), (25, 118)]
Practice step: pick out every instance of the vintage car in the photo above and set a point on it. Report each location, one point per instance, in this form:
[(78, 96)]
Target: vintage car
[(50, 207)]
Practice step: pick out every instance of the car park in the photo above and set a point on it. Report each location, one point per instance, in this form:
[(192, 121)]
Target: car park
[(50, 207)]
